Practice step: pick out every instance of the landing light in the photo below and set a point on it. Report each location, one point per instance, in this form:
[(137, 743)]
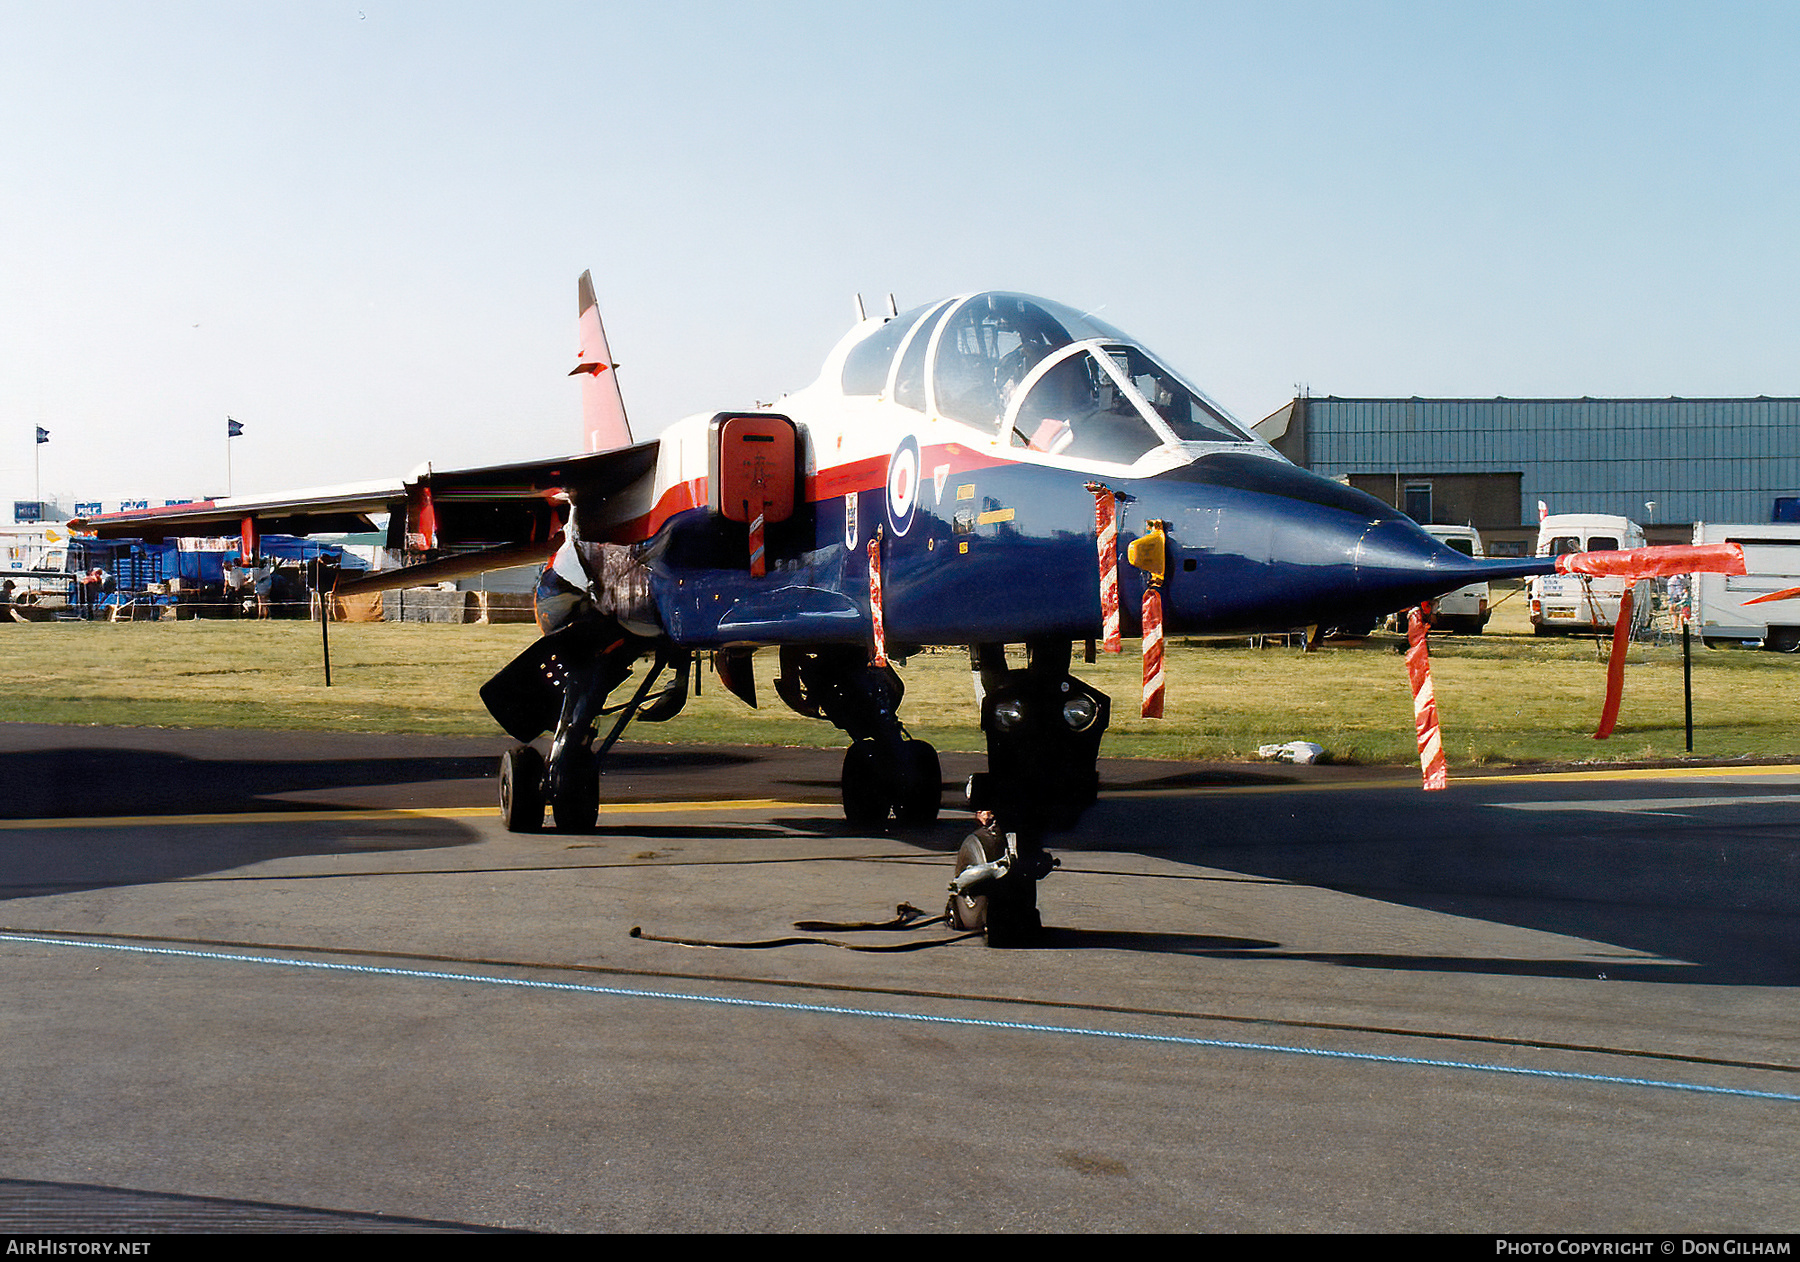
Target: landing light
[(1008, 715), (1080, 712)]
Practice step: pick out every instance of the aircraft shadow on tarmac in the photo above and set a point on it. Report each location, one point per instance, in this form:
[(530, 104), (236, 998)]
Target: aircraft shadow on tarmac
[(1721, 893), (97, 782), (63, 783), (1220, 948), (42, 1207), (100, 858), (77, 783), (1718, 891)]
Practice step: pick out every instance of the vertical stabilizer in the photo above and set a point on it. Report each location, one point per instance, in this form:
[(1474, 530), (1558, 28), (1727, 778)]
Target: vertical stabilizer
[(603, 420)]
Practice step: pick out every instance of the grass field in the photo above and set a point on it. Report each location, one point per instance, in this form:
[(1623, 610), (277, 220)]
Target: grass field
[(1505, 697)]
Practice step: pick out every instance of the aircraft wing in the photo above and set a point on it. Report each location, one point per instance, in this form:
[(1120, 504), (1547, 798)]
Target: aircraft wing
[(340, 509), (458, 522)]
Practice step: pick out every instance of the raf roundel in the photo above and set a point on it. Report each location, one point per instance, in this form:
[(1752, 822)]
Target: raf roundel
[(903, 485)]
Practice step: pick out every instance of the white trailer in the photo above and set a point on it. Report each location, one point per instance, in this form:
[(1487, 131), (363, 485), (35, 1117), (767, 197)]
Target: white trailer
[(36, 559), (1772, 557)]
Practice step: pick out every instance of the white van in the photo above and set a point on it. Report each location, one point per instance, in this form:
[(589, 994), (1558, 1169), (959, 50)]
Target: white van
[(1466, 608), (1570, 602), (1772, 557)]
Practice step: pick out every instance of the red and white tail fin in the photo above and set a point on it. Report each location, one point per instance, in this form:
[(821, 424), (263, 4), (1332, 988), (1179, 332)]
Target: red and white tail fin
[(603, 420)]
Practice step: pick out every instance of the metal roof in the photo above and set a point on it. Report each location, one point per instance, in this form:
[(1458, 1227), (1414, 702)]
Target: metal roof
[(1698, 459)]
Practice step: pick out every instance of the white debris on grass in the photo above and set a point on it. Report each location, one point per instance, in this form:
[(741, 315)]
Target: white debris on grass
[(1293, 751)]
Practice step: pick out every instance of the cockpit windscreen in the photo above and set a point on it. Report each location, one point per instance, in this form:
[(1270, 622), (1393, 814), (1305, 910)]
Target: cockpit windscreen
[(1193, 419), (967, 359), (1077, 409)]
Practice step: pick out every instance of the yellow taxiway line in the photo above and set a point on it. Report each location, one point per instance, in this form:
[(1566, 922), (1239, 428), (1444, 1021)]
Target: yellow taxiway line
[(303, 816), (1469, 780), (329, 816)]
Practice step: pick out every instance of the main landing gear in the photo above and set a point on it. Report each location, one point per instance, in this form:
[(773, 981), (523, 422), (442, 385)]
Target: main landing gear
[(886, 772), (1043, 731), (562, 682)]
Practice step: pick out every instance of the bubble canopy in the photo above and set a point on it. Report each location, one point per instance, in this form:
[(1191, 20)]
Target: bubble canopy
[(1037, 374)]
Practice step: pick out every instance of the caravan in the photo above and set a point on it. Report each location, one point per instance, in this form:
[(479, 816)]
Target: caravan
[(1571, 602), (1772, 557)]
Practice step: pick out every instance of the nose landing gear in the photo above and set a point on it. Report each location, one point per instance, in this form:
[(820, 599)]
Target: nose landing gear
[(1043, 731)]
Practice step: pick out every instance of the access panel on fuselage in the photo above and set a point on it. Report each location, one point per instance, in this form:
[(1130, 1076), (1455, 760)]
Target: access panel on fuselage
[(757, 468)]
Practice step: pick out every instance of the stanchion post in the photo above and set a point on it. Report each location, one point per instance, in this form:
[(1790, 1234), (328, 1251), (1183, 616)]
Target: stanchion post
[(1687, 681)]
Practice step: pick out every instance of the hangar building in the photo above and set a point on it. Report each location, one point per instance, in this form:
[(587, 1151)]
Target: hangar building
[(1487, 462)]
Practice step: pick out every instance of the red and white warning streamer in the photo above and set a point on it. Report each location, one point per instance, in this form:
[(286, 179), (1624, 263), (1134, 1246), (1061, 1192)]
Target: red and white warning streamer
[(1637, 563), (880, 657), (1106, 540), (1425, 715), (1658, 562), (1615, 668), (758, 565), (1153, 653)]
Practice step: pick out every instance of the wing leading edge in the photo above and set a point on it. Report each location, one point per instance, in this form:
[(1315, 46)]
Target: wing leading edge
[(456, 522)]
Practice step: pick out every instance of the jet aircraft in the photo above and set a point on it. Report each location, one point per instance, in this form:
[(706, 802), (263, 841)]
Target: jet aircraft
[(986, 470)]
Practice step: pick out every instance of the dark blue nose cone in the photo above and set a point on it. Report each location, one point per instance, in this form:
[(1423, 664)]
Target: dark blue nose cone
[(1398, 565), (1259, 544)]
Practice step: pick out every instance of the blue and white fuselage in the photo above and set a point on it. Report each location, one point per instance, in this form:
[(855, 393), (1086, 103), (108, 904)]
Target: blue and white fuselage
[(968, 432)]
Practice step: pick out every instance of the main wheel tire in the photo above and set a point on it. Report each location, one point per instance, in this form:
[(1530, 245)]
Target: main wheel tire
[(970, 911), (922, 785), (576, 804), (863, 786), (522, 790)]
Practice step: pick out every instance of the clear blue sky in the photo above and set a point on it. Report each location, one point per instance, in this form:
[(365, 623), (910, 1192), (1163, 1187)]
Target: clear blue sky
[(356, 226)]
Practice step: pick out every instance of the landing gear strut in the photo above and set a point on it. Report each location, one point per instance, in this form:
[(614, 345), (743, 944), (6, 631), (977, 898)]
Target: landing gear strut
[(563, 679), (1043, 731), (886, 772)]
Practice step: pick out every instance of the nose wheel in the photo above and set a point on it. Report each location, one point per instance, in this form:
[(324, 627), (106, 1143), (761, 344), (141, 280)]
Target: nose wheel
[(968, 908), (995, 889)]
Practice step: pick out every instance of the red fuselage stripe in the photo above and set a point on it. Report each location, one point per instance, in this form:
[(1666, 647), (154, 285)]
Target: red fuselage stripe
[(827, 484)]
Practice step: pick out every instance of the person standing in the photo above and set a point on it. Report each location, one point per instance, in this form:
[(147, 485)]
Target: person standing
[(89, 588), (1678, 599)]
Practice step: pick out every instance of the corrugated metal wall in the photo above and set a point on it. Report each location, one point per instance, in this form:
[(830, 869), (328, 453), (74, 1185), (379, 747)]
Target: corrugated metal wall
[(1698, 459)]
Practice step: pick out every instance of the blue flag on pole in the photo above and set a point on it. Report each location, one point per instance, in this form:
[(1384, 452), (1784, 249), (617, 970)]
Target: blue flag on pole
[(232, 428), (43, 434)]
